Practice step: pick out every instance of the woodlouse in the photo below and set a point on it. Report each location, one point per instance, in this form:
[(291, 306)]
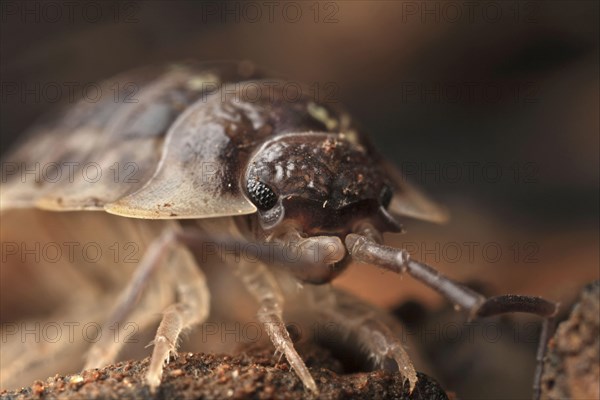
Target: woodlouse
[(221, 145)]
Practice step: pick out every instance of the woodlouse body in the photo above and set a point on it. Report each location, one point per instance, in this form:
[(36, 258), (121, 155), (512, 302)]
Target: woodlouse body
[(189, 139), (223, 145)]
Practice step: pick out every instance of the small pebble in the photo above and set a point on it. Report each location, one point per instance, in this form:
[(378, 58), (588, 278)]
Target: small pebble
[(37, 388), (75, 379)]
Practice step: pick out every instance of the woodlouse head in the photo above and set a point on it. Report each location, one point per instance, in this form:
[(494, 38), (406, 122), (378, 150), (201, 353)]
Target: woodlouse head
[(324, 183)]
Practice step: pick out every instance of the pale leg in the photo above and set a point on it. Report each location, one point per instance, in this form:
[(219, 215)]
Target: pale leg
[(30, 356), (191, 309), (263, 286), (370, 326)]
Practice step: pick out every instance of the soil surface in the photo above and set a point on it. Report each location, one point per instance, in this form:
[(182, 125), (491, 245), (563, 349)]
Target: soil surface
[(255, 374)]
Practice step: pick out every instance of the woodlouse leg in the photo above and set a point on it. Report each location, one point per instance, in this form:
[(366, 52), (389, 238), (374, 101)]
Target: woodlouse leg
[(130, 318), (263, 286), (365, 249), (23, 361), (192, 307), (374, 331)]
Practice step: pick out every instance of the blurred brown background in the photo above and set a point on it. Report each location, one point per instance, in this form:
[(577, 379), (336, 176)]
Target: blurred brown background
[(492, 108)]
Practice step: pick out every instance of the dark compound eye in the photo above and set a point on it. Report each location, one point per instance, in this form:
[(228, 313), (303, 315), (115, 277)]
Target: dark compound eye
[(385, 197), (261, 195)]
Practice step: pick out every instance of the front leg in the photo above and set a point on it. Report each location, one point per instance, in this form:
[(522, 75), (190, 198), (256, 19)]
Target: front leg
[(169, 253), (370, 326), (262, 285)]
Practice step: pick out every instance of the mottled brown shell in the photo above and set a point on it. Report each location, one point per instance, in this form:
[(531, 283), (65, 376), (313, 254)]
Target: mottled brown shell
[(173, 142)]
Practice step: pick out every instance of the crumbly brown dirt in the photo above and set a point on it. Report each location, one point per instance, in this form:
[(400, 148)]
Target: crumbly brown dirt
[(255, 374), (572, 368)]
